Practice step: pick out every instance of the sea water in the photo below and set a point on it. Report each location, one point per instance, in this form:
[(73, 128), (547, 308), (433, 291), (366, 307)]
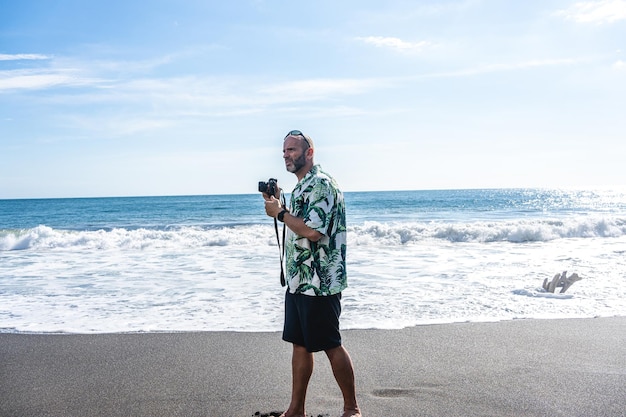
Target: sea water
[(207, 263)]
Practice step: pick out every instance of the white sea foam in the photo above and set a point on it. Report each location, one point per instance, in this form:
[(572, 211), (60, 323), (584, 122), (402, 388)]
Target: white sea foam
[(183, 237), (227, 279), (368, 233)]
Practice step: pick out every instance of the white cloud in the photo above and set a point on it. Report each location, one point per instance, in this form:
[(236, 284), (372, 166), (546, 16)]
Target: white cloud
[(318, 88), (395, 43), (522, 65), (620, 65), (604, 11), (40, 79), (20, 57), (31, 81)]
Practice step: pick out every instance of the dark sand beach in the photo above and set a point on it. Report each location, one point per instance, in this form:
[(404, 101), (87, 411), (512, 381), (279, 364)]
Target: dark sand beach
[(573, 367)]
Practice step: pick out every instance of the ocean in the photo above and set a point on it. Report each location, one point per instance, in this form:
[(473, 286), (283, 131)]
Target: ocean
[(211, 263)]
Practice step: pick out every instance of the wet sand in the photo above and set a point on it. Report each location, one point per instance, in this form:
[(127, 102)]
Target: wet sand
[(573, 367)]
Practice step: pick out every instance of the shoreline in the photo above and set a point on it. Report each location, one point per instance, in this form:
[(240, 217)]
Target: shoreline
[(527, 367), (6, 331)]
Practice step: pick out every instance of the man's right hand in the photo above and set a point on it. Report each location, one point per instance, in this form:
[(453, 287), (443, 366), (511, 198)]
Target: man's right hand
[(273, 206)]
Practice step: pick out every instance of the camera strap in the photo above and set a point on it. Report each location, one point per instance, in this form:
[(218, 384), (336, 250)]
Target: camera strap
[(281, 247)]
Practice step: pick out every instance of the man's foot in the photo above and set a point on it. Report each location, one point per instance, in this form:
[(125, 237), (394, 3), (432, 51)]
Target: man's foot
[(351, 413)]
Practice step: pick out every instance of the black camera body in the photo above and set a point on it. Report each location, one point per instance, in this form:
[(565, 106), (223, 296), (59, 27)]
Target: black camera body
[(268, 187)]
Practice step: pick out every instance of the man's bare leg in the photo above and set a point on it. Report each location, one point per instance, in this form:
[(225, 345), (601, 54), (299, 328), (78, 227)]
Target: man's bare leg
[(343, 370), (301, 371)]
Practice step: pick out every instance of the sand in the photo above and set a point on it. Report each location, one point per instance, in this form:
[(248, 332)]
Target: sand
[(573, 367)]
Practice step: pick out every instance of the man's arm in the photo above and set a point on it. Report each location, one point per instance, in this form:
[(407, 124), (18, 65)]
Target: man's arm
[(273, 207), (297, 225)]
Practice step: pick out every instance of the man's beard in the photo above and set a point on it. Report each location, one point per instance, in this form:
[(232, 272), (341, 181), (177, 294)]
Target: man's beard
[(297, 164)]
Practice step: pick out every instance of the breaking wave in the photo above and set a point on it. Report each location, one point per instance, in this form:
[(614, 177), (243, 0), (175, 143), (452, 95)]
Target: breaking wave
[(518, 231), (368, 233)]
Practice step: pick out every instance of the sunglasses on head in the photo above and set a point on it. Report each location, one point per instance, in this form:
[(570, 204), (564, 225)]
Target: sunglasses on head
[(298, 133)]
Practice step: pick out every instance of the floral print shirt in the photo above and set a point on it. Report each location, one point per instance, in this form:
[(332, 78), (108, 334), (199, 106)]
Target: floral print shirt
[(317, 268)]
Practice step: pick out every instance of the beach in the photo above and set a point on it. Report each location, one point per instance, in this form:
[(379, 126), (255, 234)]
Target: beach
[(571, 367)]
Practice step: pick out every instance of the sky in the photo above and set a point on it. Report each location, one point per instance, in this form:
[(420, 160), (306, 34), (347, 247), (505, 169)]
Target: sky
[(187, 97)]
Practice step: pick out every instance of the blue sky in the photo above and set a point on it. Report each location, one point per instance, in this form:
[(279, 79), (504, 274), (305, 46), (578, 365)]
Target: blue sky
[(123, 98)]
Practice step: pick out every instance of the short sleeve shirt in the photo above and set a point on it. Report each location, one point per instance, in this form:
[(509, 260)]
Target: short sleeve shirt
[(317, 268)]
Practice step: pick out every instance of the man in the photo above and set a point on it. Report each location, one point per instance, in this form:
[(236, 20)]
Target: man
[(316, 273)]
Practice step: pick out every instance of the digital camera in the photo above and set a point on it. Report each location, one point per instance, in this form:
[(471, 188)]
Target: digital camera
[(268, 187)]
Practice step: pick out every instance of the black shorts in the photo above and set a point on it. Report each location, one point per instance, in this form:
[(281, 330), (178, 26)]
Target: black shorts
[(312, 321)]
